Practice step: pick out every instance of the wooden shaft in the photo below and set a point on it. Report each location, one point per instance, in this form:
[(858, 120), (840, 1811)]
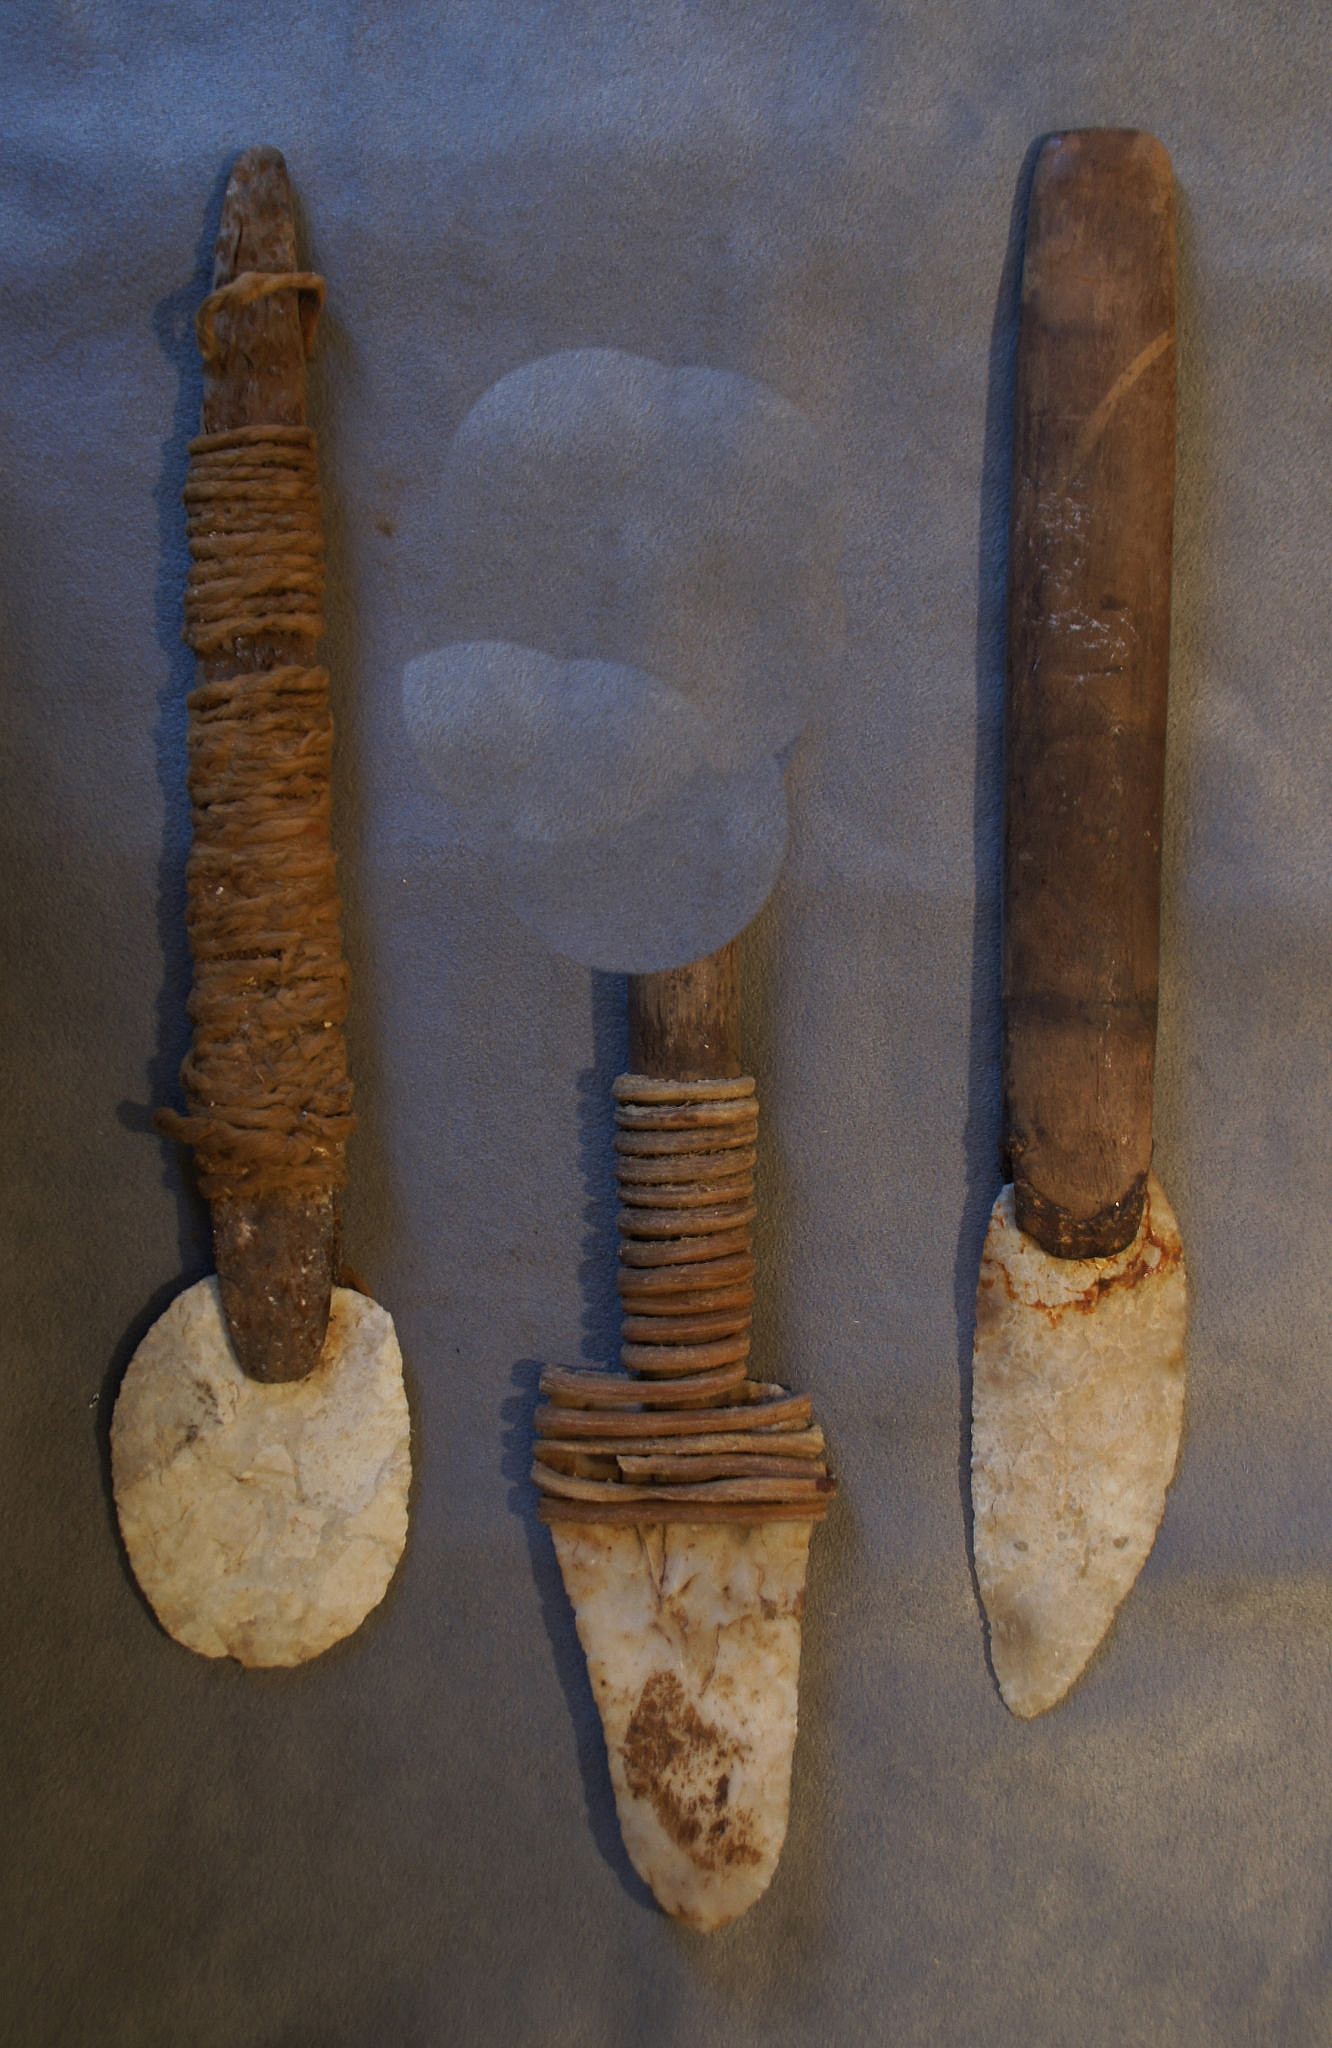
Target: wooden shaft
[(276, 1256), (684, 1024), (1088, 654)]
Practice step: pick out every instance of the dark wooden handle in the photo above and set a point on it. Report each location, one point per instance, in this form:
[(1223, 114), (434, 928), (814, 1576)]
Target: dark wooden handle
[(684, 1024), (276, 1256), (1088, 654)]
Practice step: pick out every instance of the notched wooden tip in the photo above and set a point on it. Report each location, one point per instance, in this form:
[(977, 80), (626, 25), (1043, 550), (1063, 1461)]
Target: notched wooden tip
[(260, 157), (259, 181), (257, 229)]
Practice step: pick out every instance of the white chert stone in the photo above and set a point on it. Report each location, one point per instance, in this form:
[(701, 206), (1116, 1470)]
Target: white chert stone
[(692, 1638), (262, 1522), (1077, 1407)]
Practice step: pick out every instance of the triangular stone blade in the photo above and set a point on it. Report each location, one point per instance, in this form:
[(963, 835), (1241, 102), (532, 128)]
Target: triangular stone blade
[(1077, 1406), (692, 1638)]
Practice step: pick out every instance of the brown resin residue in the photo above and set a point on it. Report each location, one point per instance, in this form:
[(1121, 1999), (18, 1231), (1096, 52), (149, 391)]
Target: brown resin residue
[(1138, 1268), (669, 1750), (1169, 1251)]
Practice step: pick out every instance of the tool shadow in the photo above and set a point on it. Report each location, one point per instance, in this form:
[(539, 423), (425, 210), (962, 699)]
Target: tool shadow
[(598, 1344), (173, 331), (982, 1141)]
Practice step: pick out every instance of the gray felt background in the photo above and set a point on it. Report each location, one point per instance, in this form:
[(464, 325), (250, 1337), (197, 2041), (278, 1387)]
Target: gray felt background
[(412, 1840)]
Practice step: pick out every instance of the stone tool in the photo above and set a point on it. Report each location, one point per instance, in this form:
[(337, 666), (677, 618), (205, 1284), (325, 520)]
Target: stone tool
[(681, 1500), (1078, 1389), (260, 1445)]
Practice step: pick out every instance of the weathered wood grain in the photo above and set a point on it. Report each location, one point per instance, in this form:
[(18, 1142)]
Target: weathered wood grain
[(1089, 632), (684, 1024)]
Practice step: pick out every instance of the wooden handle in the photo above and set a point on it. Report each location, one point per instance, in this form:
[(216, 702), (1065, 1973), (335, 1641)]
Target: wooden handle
[(276, 1256), (1088, 653), (684, 1024)]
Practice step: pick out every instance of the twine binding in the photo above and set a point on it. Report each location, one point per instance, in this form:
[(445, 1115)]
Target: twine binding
[(266, 1078), (689, 1437)]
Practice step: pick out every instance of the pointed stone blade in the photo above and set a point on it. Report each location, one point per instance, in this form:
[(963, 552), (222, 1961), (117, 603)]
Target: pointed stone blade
[(692, 1638), (1077, 1406)]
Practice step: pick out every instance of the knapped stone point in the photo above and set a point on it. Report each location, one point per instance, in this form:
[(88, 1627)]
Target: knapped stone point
[(1077, 1410), (262, 1522), (692, 1638)]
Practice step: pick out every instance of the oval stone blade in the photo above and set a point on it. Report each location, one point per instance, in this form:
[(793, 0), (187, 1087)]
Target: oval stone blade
[(263, 1522), (1077, 1406), (692, 1638)]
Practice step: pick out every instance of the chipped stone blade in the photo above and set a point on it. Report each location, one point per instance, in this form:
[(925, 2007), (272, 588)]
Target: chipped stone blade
[(1077, 1405), (692, 1638), (263, 1522)]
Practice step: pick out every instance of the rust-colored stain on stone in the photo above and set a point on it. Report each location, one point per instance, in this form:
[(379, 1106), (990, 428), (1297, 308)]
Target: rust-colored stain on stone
[(1077, 1408), (679, 1761), (1140, 1267)]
